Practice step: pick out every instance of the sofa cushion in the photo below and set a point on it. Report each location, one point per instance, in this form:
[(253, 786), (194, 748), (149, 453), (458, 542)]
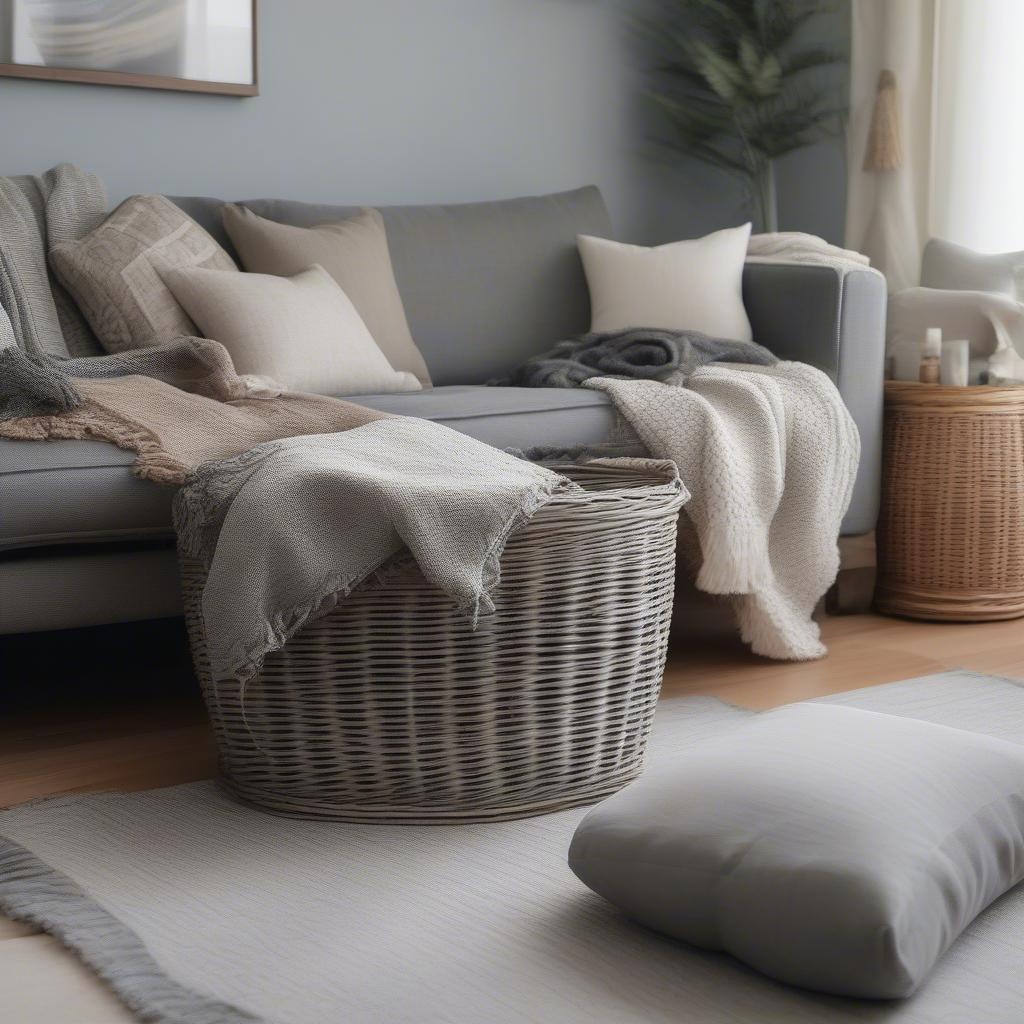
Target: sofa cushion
[(69, 492), (72, 492), (485, 285)]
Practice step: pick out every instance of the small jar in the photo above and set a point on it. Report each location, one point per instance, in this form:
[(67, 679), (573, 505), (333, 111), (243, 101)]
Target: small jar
[(931, 356)]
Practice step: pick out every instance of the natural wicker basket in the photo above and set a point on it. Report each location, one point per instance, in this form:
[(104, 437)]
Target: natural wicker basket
[(392, 708), (951, 529)]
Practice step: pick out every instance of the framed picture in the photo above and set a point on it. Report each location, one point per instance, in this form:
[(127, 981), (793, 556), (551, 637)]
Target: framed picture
[(190, 45)]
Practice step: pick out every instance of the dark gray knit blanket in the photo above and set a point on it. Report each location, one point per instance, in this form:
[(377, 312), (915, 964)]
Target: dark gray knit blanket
[(637, 352)]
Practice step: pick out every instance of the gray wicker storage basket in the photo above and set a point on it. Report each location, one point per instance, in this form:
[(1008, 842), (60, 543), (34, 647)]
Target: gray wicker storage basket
[(392, 708)]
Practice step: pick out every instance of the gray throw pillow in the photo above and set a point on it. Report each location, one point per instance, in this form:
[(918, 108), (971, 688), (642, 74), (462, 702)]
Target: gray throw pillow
[(957, 268), (828, 847)]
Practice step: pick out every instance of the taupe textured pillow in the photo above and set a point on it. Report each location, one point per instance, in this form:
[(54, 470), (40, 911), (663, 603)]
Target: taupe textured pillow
[(301, 331), (829, 847), (114, 272), (354, 252)]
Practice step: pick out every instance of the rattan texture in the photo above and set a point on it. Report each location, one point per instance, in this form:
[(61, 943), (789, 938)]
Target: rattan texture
[(392, 708), (951, 528)]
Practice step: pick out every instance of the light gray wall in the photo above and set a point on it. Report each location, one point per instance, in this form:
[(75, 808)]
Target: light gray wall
[(393, 101)]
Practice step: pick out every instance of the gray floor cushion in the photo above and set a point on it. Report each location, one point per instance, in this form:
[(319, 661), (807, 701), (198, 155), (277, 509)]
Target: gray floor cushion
[(833, 848)]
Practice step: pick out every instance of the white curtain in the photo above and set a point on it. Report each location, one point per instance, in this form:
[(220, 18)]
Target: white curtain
[(959, 67)]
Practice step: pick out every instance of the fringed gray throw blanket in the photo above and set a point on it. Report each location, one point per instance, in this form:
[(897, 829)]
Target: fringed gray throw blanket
[(639, 353), (290, 528)]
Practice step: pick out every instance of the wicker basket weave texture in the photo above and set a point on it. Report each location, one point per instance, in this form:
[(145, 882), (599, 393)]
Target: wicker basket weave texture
[(391, 707), (951, 529)]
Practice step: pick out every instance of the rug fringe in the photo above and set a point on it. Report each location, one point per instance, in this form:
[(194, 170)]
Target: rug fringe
[(34, 893)]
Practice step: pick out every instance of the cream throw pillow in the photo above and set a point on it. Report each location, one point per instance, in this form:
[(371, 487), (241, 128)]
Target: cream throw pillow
[(354, 252), (301, 331), (114, 272), (694, 285)]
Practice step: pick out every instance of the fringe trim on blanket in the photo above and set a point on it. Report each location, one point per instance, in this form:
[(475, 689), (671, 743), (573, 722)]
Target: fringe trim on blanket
[(481, 601), (94, 422), (33, 892), (734, 563)]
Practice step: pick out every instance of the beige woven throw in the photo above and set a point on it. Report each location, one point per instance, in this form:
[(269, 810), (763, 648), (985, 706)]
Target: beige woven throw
[(201, 410)]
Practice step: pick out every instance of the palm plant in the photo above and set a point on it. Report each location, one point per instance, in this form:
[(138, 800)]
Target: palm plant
[(740, 87)]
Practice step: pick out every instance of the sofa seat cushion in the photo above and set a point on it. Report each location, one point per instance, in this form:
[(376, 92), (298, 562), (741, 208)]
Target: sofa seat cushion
[(73, 492), (508, 417)]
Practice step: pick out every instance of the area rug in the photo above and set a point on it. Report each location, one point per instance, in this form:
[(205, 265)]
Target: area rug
[(201, 911)]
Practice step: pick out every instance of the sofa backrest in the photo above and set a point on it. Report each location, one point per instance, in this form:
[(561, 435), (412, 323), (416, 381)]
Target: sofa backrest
[(485, 285)]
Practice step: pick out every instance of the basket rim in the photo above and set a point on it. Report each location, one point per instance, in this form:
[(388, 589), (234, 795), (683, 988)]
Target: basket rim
[(908, 394), (642, 479)]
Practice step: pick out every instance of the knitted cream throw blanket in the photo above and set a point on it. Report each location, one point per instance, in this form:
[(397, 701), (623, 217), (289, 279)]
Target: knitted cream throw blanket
[(769, 454)]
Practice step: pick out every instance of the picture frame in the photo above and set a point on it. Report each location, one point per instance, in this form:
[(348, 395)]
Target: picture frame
[(178, 45)]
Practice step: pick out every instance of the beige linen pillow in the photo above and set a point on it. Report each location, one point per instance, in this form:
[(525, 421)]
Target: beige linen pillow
[(695, 285), (301, 331), (354, 252), (114, 272)]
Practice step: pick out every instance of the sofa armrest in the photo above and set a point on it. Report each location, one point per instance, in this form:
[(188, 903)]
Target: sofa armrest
[(834, 320)]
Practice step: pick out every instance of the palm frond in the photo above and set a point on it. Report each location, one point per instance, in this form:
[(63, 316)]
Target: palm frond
[(810, 60), (736, 83), (723, 76)]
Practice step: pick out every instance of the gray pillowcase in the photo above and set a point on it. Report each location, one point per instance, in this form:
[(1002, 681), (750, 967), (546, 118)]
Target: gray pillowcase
[(828, 847), (957, 268)]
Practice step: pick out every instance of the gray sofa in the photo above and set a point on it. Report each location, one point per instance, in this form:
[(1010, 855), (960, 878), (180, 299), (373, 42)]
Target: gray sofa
[(485, 285)]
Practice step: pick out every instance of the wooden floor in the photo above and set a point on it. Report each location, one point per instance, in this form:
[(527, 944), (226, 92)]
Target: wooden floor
[(119, 709)]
